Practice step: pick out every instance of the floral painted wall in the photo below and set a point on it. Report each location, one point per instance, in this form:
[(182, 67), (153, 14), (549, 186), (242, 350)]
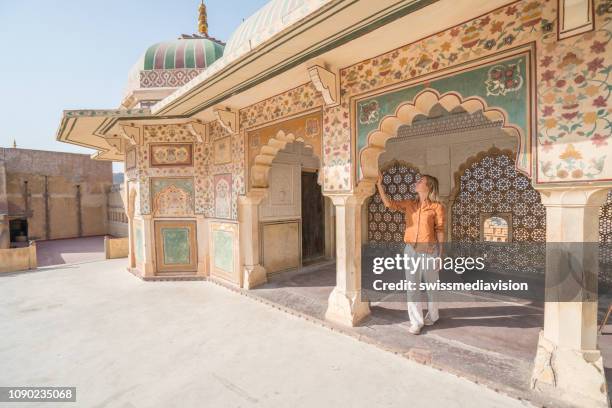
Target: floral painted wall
[(224, 164), (180, 157), (574, 120), (176, 152), (573, 87)]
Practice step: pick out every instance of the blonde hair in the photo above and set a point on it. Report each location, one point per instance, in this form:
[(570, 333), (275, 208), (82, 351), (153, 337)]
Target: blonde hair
[(433, 186)]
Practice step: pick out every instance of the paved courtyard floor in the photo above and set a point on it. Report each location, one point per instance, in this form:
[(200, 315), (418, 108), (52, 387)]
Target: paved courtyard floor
[(127, 343)]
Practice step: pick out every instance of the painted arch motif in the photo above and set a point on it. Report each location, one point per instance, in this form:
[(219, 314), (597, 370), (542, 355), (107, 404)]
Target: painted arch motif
[(172, 197), (173, 202), (262, 163), (421, 108), (265, 142)]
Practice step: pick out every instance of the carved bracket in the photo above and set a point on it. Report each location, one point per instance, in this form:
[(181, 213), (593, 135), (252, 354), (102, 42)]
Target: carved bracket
[(132, 134), (228, 119), (117, 144), (325, 81), (199, 131)]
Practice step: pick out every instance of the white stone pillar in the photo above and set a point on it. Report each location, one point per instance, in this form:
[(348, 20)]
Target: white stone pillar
[(128, 197), (149, 246), (254, 274), (330, 229), (202, 245), (345, 305), (568, 362)]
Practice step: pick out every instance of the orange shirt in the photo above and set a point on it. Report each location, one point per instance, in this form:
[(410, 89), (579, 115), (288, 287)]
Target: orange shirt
[(422, 222)]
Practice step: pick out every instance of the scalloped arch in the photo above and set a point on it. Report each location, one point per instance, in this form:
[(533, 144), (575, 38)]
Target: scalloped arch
[(421, 107), (263, 161)]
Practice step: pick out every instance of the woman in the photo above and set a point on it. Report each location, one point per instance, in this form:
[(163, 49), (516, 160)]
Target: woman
[(424, 236)]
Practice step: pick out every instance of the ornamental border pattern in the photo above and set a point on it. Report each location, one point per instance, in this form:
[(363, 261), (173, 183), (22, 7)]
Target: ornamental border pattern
[(168, 78), (515, 24), (292, 102)]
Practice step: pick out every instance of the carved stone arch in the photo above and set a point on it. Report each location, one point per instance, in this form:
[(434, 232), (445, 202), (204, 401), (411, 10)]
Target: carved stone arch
[(425, 105), (260, 168)]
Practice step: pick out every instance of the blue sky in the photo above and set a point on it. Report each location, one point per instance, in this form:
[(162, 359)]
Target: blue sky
[(73, 54)]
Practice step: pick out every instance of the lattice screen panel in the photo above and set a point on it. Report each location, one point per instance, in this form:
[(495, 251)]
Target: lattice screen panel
[(605, 240), (384, 225), (492, 185)]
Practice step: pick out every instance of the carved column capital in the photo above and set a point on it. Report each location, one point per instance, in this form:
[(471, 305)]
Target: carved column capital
[(253, 197), (573, 197), (356, 197)]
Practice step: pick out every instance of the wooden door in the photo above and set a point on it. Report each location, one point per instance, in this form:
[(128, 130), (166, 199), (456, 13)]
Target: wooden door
[(313, 218)]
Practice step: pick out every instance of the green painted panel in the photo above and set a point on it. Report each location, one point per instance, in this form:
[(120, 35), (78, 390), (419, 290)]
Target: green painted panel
[(138, 244), (224, 251), (159, 184), (176, 246), (483, 82)]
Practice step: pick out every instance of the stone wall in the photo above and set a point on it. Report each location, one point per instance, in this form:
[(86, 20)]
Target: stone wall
[(116, 247), (62, 195), (18, 259)]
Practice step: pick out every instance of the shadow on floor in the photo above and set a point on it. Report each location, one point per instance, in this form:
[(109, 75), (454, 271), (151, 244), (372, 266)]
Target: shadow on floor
[(73, 250), (493, 340)]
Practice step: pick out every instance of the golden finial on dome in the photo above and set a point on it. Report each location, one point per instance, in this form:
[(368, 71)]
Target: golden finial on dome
[(202, 20)]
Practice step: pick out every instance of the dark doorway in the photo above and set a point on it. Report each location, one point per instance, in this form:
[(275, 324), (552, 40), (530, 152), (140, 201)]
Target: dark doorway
[(19, 230), (313, 219)]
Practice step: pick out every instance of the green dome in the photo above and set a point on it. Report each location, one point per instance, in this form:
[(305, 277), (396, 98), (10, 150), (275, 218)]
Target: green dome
[(186, 52)]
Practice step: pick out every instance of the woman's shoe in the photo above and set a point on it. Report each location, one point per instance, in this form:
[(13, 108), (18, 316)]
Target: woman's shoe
[(414, 330), (428, 321)]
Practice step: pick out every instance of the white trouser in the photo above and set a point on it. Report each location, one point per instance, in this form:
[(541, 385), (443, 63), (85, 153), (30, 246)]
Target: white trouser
[(425, 272)]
